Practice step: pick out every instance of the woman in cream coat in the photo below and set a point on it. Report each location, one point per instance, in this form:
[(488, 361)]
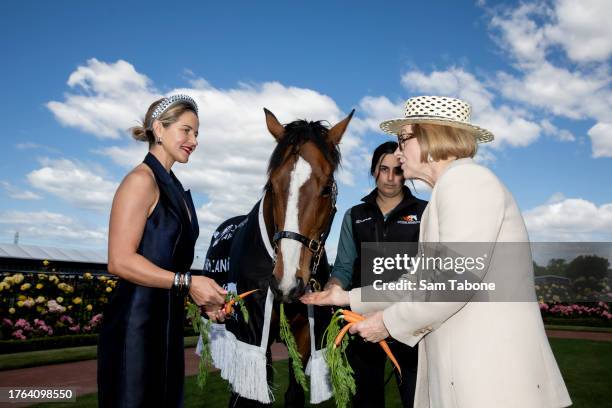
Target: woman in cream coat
[(471, 354)]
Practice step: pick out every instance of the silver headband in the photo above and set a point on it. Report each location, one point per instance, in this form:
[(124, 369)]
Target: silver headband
[(167, 102)]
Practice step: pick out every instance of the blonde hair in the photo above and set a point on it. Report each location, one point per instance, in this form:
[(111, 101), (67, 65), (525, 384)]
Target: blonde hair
[(145, 132), (441, 142)]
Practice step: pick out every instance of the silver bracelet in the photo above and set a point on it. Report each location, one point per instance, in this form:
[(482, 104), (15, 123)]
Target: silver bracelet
[(176, 281), (187, 282)]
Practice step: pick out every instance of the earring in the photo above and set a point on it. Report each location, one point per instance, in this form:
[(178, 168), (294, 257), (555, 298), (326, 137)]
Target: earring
[(159, 142), (429, 158)]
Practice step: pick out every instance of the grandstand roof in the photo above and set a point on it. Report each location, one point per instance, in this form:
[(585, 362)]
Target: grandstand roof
[(98, 256)]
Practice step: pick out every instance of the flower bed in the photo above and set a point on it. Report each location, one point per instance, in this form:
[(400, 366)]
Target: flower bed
[(58, 305), (586, 314), (52, 310), (41, 305)]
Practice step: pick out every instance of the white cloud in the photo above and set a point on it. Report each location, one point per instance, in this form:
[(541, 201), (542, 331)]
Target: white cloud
[(50, 227), (77, 183), (520, 35), (533, 34), (601, 137), (109, 98), (18, 194), (511, 126), (583, 29), (126, 156), (569, 219), (572, 94), (562, 135), (229, 165), (32, 145)]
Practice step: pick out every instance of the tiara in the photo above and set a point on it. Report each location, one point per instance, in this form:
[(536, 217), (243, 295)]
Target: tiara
[(167, 102)]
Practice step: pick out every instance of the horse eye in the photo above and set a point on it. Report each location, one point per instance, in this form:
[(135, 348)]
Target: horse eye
[(326, 191)]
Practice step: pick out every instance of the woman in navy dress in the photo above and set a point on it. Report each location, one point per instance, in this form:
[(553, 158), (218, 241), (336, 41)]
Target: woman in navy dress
[(152, 234)]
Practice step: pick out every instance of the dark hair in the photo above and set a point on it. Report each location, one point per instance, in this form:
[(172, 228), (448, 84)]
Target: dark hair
[(296, 134), (379, 154), (144, 132)]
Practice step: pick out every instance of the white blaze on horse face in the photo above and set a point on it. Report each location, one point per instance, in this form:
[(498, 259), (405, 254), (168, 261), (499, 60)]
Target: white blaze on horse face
[(291, 248)]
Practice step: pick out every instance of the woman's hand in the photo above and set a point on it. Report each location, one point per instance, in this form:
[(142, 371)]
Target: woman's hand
[(334, 296), (371, 329), (216, 316), (205, 292)]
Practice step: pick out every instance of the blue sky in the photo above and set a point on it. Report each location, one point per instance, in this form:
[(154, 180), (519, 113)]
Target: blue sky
[(76, 75)]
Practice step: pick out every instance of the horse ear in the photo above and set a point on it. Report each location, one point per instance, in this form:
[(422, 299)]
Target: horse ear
[(274, 126), (335, 133)]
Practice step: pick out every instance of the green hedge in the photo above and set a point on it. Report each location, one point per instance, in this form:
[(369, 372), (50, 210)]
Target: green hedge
[(578, 321), (56, 342), (47, 343)]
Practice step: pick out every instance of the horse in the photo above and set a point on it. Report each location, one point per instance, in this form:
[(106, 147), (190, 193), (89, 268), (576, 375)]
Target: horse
[(278, 248)]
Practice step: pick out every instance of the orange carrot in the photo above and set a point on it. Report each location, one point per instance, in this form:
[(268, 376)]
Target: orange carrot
[(230, 305), (387, 350), (341, 334), (350, 312), (352, 318)]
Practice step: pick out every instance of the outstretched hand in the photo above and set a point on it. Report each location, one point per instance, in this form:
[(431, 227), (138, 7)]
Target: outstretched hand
[(334, 296)]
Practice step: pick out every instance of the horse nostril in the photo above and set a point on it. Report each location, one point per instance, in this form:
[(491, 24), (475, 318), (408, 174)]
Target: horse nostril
[(299, 290)]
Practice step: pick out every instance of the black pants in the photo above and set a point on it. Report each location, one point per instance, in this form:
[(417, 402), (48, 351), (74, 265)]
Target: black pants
[(368, 362)]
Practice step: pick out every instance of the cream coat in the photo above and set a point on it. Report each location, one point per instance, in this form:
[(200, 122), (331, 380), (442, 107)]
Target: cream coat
[(477, 354)]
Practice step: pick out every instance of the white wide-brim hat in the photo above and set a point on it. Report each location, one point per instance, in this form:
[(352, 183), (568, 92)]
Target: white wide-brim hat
[(438, 110)]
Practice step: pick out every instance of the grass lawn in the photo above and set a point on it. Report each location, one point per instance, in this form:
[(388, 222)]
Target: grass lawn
[(58, 356), (586, 367)]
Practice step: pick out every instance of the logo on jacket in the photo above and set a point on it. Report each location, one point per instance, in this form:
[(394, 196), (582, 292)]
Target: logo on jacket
[(409, 219), (363, 220)]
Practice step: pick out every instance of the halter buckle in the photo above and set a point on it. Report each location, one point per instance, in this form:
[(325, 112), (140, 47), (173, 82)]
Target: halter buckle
[(314, 246)]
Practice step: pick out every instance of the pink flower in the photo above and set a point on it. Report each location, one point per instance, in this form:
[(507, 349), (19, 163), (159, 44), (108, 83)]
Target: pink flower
[(23, 324), (96, 320), (75, 329), (7, 322), (66, 320), (18, 334)]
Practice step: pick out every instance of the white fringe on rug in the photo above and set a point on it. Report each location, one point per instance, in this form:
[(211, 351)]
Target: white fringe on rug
[(320, 386), (317, 369), (243, 365)]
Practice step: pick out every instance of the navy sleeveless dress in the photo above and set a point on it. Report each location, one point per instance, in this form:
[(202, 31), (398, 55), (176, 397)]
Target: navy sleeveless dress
[(140, 348)]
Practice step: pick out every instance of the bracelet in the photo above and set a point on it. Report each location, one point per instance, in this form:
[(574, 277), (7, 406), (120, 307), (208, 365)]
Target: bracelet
[(187, 276), (176, 282)]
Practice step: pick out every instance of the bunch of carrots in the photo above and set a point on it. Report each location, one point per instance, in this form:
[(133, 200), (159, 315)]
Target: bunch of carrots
[(351, 318), (335, 342)]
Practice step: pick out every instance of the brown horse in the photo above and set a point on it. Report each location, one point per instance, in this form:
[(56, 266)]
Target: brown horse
[(302, 189), (297, 210)]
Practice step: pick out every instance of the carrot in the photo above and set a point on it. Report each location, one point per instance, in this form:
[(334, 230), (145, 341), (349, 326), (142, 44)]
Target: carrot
[(387, 351), (353, 318), (230, 305), (341, 334), (350, 313)]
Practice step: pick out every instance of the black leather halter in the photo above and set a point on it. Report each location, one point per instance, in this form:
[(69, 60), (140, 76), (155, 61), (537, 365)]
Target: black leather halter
[(315, 246)]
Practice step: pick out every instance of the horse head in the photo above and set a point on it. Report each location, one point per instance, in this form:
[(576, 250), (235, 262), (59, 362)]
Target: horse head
[(302, 189)]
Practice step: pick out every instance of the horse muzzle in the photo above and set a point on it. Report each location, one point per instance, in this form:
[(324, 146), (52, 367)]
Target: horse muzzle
[(294, 293)]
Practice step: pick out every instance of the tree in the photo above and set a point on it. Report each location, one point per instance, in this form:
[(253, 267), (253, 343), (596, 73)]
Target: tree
[(557, 267), (588, 266)]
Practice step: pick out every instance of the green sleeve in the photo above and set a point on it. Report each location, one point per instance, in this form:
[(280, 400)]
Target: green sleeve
[(347, 253)]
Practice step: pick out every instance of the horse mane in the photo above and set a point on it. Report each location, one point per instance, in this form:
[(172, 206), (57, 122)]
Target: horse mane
[(296, 134)]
